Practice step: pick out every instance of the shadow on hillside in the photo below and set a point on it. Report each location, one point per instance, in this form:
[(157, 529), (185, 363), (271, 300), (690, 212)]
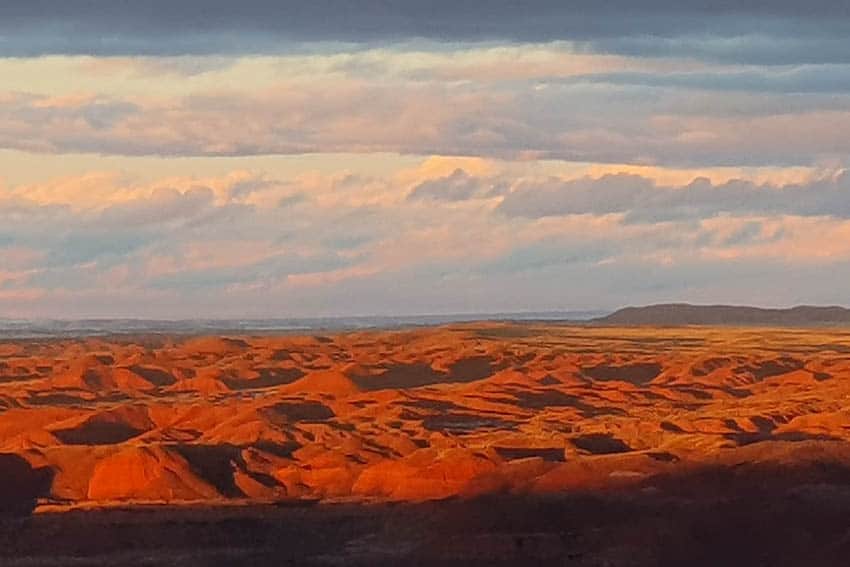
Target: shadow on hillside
[(21, 485), (733, 515)]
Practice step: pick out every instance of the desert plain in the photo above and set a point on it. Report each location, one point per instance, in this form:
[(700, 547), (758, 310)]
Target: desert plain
[(481, 443)]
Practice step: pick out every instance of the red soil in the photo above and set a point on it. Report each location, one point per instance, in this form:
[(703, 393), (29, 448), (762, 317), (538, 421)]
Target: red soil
[(414, 415)]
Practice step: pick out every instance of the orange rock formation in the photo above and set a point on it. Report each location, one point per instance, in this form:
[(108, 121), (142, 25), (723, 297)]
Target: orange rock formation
[(416, 414)]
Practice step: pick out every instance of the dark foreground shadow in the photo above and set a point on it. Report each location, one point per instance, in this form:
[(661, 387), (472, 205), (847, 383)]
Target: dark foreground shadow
[(733, 515), (21, 485)]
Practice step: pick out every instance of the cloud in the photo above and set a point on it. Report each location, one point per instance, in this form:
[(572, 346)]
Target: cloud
[(161, 27), (510, 101), (546, 255), (745, 41), (173, 234), (458, 186), (639, 199), (578, 150), (265, 273), (581, 122), (825, 78), (348, 244), (289, 119)]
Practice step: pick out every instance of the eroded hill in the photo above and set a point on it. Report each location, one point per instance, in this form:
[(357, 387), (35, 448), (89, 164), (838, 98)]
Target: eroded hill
[(423, 414)]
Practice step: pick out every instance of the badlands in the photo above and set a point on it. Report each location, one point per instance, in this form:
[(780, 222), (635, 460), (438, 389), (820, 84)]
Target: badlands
[(576, 445)]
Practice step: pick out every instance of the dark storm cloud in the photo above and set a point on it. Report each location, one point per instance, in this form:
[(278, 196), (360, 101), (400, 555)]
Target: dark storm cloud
[(813, 30)]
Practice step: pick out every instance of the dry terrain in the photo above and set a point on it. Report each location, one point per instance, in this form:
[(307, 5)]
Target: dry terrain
[(467, 443)]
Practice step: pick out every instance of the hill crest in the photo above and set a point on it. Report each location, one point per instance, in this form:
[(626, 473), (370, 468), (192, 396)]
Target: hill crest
[(690, 314)]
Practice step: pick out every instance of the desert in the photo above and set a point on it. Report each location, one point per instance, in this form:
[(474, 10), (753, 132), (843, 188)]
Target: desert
[(424, 283), (347, 430)]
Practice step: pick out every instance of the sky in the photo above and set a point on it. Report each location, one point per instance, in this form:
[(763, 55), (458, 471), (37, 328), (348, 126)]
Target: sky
[(287, 159)]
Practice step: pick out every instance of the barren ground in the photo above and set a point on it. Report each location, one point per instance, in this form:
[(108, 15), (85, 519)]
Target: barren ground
[(467, 443)]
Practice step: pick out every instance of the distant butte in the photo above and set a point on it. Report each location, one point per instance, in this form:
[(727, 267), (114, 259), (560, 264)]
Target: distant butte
[(676, 314)]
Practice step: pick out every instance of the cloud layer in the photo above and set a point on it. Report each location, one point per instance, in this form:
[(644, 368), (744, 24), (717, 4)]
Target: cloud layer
[(445, 235), (724, 30), (531, 102), (213, 158)]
